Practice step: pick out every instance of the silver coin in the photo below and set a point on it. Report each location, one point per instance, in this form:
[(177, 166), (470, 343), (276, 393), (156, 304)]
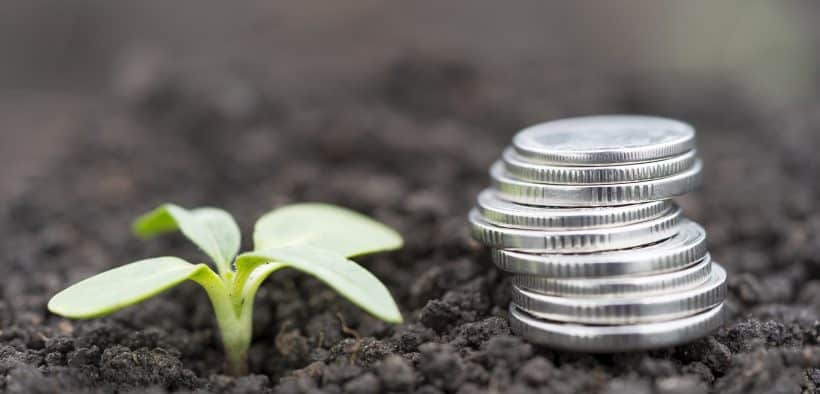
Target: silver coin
[(508, 214), (612, 339), (609, 139), (520, 168), (543, 194), (621, 286), (575, 241), (625, 310), (682, 250)]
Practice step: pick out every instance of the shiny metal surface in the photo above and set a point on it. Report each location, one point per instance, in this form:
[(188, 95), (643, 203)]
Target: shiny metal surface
[(507, 214), (682, 250), (604, 140), (620, 286), (580, 211), (575, 241), (625, 310), (612, 339), (519, 168), (542, 194)]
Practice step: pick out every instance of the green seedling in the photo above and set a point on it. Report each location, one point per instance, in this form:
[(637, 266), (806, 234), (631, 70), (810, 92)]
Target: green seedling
[(316, 239)]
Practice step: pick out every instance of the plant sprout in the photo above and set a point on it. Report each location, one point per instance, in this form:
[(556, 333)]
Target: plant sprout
[(317, 239)]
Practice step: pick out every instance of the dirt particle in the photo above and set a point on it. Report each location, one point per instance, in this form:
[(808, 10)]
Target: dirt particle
[(814, 375), (341, 373), (632, 386), (770, 289), (536, 371), (250, 384), (366, 383), (371, 351), (143, 367), (701, 370), (680, 385), (810, 293), (509, 349), (715, 355), (476, 333), (476, 373), (397, 375), (442, 367), (65, 327), (439, 315), (428, 389), (25, 379), (324, 328), (460, 305), (300, 386), (54, 359), (434, 282), (61, 344), (292, 345), (410, 337), (84, 356)]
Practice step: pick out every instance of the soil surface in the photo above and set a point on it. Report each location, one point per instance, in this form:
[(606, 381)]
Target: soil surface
[(409, 144)]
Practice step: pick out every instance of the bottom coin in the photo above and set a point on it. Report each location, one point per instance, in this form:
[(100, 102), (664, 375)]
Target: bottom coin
[(613, 339)]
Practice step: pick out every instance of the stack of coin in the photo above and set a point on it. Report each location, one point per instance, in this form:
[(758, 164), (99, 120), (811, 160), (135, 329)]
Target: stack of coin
[(581, 213)]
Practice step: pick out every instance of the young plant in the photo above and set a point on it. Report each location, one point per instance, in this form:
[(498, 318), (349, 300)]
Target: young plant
[(316, 239)]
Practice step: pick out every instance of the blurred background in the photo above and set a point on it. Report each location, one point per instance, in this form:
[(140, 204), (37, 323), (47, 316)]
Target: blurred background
[(63, 59)]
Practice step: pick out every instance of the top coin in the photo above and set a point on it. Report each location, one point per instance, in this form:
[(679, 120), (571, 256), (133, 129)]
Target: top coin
[(603, 140)]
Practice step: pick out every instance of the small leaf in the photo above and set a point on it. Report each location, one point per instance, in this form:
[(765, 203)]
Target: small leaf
[(345, 276), (325, 226), (213, 230), (120, 287)]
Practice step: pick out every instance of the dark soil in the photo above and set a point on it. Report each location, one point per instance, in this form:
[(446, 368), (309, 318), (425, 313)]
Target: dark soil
[(409, 145)]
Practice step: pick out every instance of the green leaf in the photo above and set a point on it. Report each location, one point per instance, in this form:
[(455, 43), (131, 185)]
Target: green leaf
[(120, 287), (325, 226), (345, 276), (213, 230)]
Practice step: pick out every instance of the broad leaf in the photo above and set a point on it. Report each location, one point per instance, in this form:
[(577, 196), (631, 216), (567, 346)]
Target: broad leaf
[(213, 230), (325, 226), (345, 276), (120, 287)]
